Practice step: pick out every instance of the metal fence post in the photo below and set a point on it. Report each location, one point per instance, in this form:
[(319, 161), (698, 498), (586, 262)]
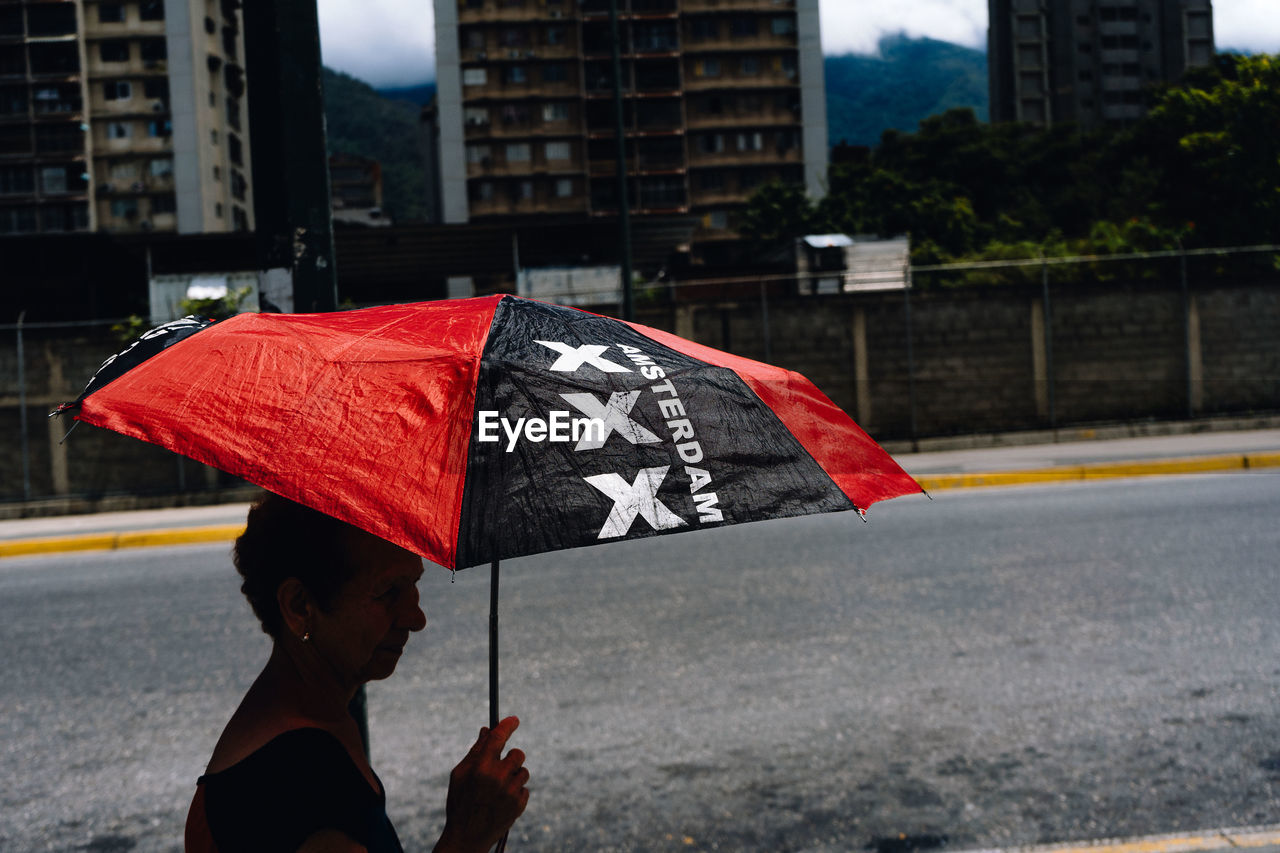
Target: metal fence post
[(911, 361), (1048, 342), (764, 317), (22, 412)]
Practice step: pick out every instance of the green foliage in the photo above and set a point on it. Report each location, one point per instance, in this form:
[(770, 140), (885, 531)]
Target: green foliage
[(905, 81), (1201, 169), (360, 121)]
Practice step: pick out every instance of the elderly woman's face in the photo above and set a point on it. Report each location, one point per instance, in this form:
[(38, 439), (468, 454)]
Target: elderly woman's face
[(364, 633)]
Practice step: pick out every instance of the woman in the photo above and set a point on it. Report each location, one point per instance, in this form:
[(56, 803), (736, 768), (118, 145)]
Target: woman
[(289, 772)]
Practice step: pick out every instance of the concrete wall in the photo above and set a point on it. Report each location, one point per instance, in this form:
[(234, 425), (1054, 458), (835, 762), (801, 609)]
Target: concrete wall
[(979, 360)]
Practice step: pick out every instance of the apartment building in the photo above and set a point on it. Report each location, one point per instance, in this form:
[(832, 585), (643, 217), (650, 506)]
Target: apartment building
[(1088, 61), (123, 116), (720, 97)]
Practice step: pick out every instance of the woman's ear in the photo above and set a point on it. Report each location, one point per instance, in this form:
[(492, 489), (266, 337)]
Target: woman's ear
[(296, 607)]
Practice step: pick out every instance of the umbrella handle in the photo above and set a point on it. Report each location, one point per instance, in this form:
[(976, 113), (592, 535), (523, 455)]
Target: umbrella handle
[(493, 663)]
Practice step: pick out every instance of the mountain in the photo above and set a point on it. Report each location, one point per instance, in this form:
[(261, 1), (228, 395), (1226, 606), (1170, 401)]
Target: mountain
[(359, 120), (910, 79)]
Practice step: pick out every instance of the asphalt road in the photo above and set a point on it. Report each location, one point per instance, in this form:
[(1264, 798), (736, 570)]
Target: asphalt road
[(1003, 666)]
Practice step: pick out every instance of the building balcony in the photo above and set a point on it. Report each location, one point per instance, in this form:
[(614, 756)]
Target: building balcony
[(496, 89), (729, 119), (642, 166), (767, 156), (740, 43), (631, 8), (764, 80), (495, 11), (499, 54), (692, 6)]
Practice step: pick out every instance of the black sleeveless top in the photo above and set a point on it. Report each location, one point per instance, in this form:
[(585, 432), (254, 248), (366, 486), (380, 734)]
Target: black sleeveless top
[(299, 783)]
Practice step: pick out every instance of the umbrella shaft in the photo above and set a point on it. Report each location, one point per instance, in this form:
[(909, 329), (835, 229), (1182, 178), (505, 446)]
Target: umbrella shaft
[(493, 644)]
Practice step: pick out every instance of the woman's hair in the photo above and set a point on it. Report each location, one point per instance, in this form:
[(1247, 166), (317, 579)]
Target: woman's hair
[(284, 539)]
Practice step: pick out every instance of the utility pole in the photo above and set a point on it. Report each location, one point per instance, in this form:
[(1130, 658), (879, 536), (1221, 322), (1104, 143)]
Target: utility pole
[(624, 205), (290, 158)]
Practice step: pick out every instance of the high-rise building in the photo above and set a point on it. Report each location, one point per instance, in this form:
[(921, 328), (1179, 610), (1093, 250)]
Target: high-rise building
[(719, 98), (123, 116), (1088, 61)]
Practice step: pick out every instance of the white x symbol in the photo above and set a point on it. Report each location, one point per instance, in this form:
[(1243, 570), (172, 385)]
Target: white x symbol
[(632, 499), (571, 358), (614, 416)]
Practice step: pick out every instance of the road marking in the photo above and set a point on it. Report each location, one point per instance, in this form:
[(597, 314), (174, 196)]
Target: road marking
[(1101, 470), (1219, 839)]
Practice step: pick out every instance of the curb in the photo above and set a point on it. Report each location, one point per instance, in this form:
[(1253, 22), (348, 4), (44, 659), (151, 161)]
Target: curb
[(116, 541), (928, 482), (1258, 839), (1100, 471)]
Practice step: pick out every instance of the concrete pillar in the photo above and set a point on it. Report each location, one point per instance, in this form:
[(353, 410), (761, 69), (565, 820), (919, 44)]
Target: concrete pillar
[(1039, 359), (1195, 358), (58, 388), (861, 371)]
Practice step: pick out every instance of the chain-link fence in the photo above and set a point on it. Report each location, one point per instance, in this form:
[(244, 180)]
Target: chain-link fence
[(964, 348)]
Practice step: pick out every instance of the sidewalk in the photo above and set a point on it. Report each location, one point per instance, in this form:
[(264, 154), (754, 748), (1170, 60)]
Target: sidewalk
[(1012, 464)]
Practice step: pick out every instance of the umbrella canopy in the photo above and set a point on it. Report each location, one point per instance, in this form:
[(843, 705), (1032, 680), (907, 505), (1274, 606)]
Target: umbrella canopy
[(479, 429)]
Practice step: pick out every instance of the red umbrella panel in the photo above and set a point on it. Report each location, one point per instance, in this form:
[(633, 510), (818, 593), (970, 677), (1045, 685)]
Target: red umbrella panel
[(474, 430)]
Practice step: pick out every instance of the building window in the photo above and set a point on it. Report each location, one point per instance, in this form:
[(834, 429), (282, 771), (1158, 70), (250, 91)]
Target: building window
[(556, 35), (564, 187), (751, 141), (127, 171), (217, 209), (156, 88), (151, 10), (235, 149), (743, 26), (239, 219), (53, 179), (114, 50), (717, 219), (217, 173), (476, 116), (161, 168), (478, 154), (555, 73), (711, 143), (17, 220), (474, 77), (153, 50), (166, 203), (160, 128), (515, 74), (16, 180), (749, 66), (557, 150), (111, 13), (518, 152), (707, 68), (704, 29), (119, 130), (239, 186), (524, 191), (555, 112), (783, 26), (117, 90), (124, 208)]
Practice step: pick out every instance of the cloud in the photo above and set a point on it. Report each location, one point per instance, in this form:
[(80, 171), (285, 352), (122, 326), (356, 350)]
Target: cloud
[(382, 42), (856, 27), (392, 42)]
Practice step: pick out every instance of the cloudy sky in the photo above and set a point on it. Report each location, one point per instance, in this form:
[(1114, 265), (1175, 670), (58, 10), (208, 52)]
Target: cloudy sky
[(391, 42)]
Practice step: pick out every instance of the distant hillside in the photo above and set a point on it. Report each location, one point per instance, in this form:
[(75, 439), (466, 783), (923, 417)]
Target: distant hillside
[(420, 95), (909, 80), (359, 120)]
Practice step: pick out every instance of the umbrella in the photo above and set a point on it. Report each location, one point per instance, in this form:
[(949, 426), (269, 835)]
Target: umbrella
[(475, 430)]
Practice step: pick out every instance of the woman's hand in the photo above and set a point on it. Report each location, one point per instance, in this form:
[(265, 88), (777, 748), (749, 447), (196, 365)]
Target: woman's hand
[(486, 793)]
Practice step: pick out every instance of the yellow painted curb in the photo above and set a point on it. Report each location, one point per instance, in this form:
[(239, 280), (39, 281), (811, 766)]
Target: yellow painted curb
[(113, 541), (1100, 470), (1221, 839)]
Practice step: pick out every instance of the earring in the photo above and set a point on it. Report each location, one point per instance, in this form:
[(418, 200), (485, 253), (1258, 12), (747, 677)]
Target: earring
[(306, 637)]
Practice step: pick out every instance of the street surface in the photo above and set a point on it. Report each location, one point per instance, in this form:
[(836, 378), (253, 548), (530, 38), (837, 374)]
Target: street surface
[(1001, 666)]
